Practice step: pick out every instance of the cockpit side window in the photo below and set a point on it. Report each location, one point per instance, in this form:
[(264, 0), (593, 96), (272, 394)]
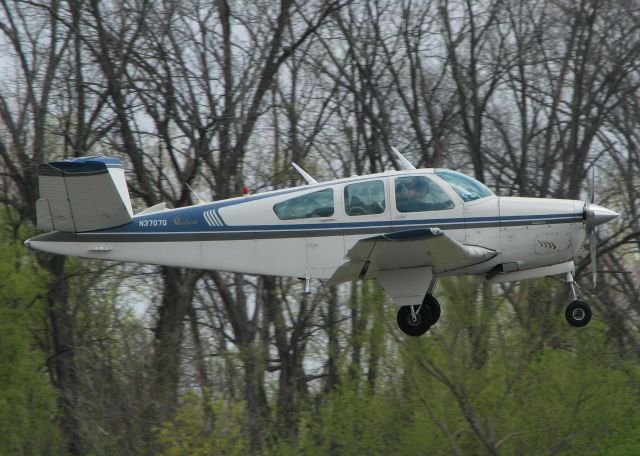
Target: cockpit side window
[(311, 205), (364, 198), (466, 187), (419, 193)]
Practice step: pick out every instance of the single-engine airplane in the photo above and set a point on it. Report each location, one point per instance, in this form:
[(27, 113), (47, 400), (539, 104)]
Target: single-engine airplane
[(405, 228)]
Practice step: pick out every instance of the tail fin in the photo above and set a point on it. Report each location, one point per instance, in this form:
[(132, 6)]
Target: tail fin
[(83, 194)]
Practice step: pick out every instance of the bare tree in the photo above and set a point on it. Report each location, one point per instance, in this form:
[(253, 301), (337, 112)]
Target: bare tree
[(479, 58), (37, 128), (163, 58)]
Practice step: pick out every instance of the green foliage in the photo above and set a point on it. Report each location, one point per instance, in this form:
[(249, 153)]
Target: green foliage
[(500, 373), (563, 392), (27, 401), (111, 343), (566, 394), (351, 421), (577, 400), (204, 429)]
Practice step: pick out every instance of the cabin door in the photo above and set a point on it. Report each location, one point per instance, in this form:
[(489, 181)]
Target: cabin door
[(421, 201), (365, 210), (324, 237)]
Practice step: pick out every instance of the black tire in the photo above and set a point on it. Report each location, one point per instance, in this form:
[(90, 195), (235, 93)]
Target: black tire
[(412, 327), (434, 308), (578, 313)]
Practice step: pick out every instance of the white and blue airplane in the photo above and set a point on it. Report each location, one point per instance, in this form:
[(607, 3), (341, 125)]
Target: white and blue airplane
[(405, 228)]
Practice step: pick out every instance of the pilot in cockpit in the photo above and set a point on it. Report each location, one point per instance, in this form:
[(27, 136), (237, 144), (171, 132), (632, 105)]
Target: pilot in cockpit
[(412, 195), (419, 190)]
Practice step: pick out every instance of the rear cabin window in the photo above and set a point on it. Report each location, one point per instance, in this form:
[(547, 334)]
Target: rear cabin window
[(364, 198), (467, 187), (311, 205), (419, 193)]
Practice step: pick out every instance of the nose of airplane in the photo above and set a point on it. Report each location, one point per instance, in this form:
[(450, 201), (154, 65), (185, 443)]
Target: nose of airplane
[(596, 215), (27, 242)]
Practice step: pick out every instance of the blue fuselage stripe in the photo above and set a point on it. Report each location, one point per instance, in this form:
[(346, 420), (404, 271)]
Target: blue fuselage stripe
[(169, 224)]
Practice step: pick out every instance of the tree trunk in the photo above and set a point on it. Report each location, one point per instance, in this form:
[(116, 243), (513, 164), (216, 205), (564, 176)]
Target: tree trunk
[(62, 367), (175, 304), (251, 355), (333, 379)]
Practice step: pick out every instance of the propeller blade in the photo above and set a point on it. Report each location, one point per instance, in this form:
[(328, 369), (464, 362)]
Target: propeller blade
[(593, 183), (593, 243)]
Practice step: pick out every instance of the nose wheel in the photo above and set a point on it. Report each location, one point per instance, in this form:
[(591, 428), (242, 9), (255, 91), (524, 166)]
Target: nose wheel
[(578, 313), (416, 320)]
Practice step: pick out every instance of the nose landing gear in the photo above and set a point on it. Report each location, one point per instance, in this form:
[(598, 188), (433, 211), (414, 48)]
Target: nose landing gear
[(578, 313)]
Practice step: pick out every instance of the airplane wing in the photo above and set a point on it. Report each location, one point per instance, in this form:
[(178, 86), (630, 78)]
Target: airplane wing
[(424, 247)]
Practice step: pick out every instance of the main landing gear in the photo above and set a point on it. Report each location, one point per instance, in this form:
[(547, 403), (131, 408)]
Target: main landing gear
[(578, 312), (416, 320)]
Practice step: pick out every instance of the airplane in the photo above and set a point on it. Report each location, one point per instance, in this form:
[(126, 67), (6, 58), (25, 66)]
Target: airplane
[(406, 228)]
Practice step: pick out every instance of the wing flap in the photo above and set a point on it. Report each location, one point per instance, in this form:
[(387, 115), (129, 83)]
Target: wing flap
[(429, 247)]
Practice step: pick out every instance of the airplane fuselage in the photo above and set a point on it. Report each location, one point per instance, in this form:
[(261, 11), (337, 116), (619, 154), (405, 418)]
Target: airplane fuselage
[(269, 234)]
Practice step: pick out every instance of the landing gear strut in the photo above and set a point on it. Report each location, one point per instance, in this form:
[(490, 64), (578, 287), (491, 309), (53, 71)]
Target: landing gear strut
[(578, 313), (416, 320)]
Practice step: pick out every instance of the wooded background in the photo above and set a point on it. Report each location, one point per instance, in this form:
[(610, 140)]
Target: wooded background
[(529, 96)]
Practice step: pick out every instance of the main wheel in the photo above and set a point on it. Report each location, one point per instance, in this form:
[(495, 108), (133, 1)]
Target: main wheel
[(578, 313), (414, 325), (434, 308)]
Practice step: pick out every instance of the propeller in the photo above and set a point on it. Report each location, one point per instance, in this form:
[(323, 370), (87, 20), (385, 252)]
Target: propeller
[(593, 241), (595, 215), (593, 244)]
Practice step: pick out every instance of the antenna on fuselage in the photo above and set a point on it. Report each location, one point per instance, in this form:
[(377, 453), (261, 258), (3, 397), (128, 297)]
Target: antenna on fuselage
[(310, 180), (403, 163), (200, 201)]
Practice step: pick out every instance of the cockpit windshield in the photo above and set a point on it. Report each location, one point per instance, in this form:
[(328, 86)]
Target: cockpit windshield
[(466, 187)]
